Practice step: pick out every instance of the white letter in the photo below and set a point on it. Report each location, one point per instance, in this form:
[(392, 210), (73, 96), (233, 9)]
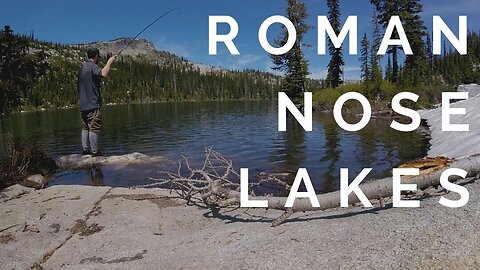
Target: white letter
[(345, 189), (284, 102), (398, 187), (244, 202), (464, 196), (402, 41), (440, 27), (447, 111), (350, 26), (337, 111), (214, 38), (262, 35), (397, 107), (302, 174)]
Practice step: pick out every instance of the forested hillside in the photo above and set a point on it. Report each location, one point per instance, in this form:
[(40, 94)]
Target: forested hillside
[(145, 77), (141, 74)]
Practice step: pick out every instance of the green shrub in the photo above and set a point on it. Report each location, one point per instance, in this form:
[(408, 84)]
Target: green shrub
[(22, 161), (379, 94)]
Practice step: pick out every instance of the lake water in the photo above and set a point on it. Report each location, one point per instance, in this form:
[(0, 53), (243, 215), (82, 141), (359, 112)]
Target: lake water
[(243, 131)]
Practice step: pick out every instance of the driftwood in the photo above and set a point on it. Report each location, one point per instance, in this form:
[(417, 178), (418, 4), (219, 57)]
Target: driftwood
[(216, 184)]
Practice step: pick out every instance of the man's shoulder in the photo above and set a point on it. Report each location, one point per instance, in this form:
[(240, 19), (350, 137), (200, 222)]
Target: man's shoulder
[(88, 64), (85, 64)]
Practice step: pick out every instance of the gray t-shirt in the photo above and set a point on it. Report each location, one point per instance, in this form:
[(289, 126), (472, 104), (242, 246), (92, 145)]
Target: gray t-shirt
[(88, 86)]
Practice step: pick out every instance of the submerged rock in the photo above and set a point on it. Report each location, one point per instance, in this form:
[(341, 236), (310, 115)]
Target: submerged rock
[(82, 161)]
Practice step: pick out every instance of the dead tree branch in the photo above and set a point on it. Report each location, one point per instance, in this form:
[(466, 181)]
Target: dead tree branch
[(216, 184)]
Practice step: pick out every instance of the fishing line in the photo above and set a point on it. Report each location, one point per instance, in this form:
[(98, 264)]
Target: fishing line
[(143, 30)]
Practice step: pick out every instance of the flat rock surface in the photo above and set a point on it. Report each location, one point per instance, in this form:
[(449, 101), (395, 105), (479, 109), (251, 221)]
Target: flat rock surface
[(103, 228), (77, 161), (33, 224), (456, 144), (473, 89)]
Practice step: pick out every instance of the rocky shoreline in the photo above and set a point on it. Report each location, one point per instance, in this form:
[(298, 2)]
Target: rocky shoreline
[(79, 227), (82, 227)]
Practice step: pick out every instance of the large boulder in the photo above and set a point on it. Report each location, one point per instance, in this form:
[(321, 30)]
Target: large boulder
[(35, 181)]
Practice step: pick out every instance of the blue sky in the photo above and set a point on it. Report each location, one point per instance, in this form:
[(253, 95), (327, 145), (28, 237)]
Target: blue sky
[(185, 31)]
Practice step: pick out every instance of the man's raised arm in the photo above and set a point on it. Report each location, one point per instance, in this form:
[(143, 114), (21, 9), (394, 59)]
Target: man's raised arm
[(106, 68)]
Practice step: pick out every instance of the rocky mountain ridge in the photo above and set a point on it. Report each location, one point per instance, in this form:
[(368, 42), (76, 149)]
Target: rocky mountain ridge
[(143, 48)]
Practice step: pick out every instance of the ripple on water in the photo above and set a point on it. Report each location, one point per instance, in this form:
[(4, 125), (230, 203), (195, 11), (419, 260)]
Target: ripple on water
[(245, 132)]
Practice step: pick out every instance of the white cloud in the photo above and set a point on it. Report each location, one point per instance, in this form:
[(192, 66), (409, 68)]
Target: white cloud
[(238, 62), (176, 48), (351, 72), (247, 59), (318, 73)]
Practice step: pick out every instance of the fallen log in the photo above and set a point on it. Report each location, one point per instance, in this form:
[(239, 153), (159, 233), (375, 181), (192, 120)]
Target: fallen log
[(374, 190), (216, 184)]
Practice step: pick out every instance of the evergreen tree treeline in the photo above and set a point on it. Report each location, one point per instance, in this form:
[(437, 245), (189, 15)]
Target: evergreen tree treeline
[(420, 69), (19, 69), (42, 74)]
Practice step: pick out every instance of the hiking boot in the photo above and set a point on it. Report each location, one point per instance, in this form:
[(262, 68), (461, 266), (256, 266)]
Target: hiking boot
[(86, 152)]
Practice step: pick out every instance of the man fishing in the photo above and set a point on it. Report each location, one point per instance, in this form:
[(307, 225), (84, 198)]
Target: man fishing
[(88, 86)]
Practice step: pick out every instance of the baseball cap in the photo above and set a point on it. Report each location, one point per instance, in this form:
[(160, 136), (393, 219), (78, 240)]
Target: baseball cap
[(93, 52)]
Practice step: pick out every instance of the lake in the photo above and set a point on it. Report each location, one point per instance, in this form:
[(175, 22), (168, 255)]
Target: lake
[(242, 131)]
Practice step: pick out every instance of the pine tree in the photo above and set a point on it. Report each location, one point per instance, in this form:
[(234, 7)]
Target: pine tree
[(335, 66), (430, 58), (293, 63), (18, 69), (364, 59), (389, 71), (386, 9), (416, 65), (376, 70), (429, 50)]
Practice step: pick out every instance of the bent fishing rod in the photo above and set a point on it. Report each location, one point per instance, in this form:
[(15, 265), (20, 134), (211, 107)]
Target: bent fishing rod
[(143, 30)]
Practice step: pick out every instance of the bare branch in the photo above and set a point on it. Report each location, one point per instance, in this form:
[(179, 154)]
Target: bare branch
[(216, 184)]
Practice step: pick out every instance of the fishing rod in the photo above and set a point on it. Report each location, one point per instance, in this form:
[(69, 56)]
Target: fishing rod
[(143, 30)]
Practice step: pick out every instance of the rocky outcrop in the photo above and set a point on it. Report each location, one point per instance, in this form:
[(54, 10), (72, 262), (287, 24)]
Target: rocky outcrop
[(145, 49), (456, 144), (84, 161), (136, 48)]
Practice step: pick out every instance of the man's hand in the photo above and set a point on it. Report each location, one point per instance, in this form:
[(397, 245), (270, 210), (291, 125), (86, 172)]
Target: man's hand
[(111, 59), (106, 69)]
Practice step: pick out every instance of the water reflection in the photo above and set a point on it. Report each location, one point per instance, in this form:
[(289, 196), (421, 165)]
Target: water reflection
[(95, 177), (332, 154), (245, 132)]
